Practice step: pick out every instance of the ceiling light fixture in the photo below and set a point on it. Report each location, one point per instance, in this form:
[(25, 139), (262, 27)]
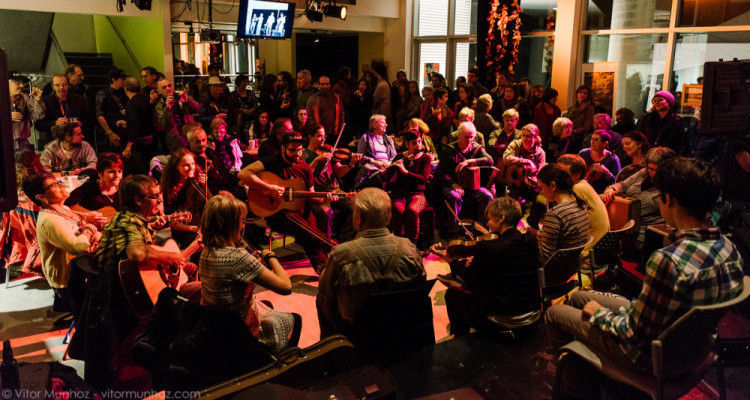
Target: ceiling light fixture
[(335, 11)]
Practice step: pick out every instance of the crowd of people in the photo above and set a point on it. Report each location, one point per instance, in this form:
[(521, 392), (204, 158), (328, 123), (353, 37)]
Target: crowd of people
[(348, 167)]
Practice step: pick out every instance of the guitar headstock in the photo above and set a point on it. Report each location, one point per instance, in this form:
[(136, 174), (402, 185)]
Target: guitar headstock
[(181, 216)]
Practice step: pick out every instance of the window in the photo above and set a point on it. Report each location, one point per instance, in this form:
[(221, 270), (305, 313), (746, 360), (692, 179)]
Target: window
[(630, 14), (715, 12), (454, 24)]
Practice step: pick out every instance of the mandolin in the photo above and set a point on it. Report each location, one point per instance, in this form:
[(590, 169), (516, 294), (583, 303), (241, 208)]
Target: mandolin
[(109, 212), (294, 196)]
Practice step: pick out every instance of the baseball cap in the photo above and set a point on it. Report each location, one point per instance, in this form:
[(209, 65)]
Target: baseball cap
[(18, 77)]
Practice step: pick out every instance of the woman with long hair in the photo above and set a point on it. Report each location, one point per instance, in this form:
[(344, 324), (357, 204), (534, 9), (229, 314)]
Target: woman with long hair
[(285, 87), (301, 122), (183, 183), (566, 224), (261, 127), (229, 271)]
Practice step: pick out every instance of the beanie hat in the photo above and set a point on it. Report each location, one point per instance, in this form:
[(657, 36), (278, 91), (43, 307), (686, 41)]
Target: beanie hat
[(667, 96)]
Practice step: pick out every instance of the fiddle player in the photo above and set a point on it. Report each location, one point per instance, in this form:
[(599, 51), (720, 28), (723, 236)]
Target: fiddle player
[(288, 164), (184, 186), (327, 174), (411, 170), (489, 288), (218, 176), (456, 156)]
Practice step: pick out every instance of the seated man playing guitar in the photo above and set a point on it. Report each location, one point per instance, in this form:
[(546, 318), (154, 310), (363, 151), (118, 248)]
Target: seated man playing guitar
[(129, 236), (111, 316), (275, 202)]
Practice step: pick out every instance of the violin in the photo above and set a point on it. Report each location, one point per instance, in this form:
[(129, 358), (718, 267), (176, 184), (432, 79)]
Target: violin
[(467, 248), (342, 155), (196, 196)]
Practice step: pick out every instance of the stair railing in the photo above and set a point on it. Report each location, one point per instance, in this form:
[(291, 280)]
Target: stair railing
[(125, 44)]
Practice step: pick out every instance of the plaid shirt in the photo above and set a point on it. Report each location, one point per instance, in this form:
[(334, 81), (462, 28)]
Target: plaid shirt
[(700, 267), (125, 228)]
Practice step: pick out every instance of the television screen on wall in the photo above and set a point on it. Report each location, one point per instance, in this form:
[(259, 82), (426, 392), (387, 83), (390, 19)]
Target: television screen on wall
[(265, 19)]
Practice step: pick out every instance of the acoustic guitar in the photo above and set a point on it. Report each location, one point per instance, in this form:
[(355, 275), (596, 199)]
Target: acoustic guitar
[(142, 282), (107, 212), (294, 196)]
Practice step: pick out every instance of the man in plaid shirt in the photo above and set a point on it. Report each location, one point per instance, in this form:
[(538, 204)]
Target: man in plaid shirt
[(699, 267)]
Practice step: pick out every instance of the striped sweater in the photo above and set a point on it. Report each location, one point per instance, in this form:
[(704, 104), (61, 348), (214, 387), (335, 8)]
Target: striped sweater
[(565, 225)]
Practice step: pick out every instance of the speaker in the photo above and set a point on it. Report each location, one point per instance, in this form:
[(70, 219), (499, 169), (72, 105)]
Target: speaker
[(8, 190), (726, 97)]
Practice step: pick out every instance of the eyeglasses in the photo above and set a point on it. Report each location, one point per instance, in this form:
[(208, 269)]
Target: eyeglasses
[(156, 197), (596, 140), (51, 185)]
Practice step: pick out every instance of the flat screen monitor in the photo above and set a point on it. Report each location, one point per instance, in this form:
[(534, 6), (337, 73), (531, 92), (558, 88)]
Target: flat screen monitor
[(265, 19)]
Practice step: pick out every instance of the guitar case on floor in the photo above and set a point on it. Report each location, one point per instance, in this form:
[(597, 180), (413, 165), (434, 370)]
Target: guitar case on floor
[(328, 367)]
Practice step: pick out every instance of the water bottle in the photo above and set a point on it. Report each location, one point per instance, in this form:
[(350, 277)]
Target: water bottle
[(9, 369)]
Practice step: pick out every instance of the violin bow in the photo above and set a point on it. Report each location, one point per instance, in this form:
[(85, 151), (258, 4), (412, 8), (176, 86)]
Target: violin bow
[(335, 145), (459, 220)]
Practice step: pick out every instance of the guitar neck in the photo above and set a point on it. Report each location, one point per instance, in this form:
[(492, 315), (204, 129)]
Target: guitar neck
[(304, 194)]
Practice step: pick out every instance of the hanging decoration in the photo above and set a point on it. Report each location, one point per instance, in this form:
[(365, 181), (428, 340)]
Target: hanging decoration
[(503, 36)]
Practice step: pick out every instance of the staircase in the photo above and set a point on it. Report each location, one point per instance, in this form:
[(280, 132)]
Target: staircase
[(95, 66)]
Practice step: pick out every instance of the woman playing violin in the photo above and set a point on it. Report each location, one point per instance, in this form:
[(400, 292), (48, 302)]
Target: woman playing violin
[(184, 186), (329, 167), (502, 278), (407, 180)]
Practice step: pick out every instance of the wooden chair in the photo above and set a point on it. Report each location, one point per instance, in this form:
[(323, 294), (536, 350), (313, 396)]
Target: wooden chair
[(554, 275), (606, 252), (681, 355)]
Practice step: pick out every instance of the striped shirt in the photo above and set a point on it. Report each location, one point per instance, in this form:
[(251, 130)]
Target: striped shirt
[(700, 267), (565, 225)]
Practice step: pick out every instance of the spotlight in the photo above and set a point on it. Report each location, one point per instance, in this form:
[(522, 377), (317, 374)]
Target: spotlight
[(335, 11), (314, 15)]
